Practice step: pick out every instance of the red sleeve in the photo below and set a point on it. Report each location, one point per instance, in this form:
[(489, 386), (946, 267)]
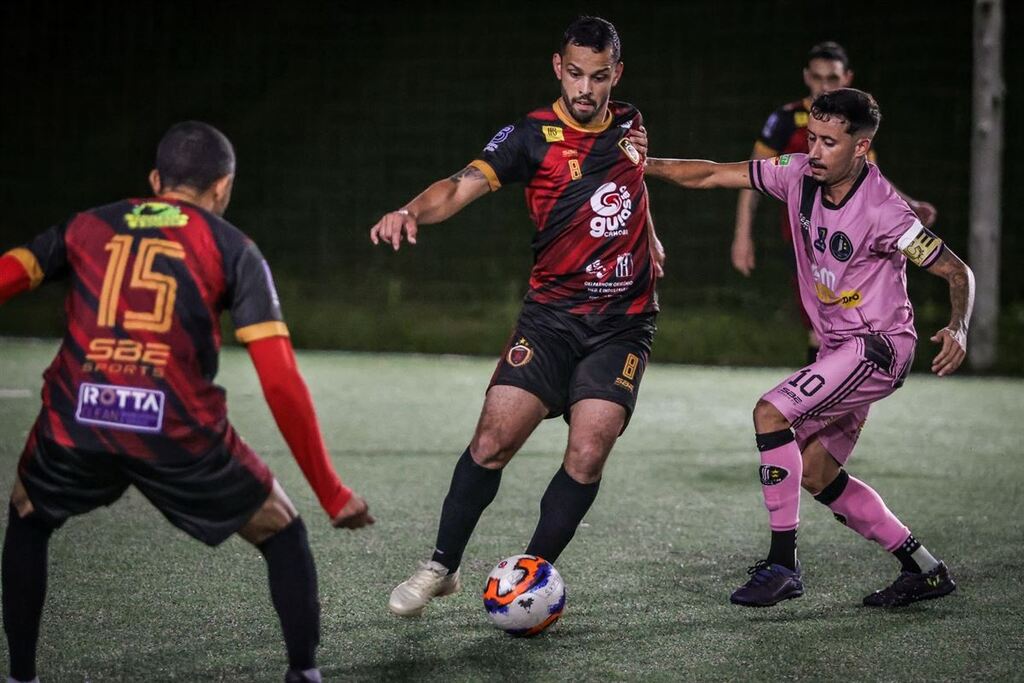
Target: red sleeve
[(292, 407), (14, 279)]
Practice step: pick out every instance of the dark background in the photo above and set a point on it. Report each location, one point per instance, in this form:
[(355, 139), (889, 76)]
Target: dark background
[(340, 112)]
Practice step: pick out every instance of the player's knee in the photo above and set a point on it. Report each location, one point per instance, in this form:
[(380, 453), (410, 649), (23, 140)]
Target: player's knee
[(767, 418), (584, 462), (813, 480), (491, 449)]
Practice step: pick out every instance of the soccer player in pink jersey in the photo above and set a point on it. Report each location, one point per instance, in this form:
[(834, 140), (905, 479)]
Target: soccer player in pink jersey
[(852, 235)]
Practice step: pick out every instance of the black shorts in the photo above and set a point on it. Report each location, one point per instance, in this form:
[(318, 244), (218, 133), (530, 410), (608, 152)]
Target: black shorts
[(562, 358), (209, 497)]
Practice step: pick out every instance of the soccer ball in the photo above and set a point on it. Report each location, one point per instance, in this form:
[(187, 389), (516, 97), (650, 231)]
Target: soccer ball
[(524, 595)]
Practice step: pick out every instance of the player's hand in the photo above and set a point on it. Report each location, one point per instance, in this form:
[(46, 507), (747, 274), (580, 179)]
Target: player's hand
[(951, 355), (743, 254), (392, 227), (355, 514), (638, 137), (925, 212), (658, 256)]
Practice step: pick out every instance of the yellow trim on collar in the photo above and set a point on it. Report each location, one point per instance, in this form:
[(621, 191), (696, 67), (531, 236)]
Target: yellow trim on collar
[(566, 118)]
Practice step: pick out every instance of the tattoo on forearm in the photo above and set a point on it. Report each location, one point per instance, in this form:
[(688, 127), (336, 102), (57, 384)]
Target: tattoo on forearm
[(468, 172)]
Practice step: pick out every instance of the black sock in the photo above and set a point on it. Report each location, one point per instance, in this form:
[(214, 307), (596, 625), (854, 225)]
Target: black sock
[(472, 489), (293, 590), (562, 508), (783, 548), (24, 587)]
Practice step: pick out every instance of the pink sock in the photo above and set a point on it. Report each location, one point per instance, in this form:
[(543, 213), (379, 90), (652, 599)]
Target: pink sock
[(781, 468), (861, 509)]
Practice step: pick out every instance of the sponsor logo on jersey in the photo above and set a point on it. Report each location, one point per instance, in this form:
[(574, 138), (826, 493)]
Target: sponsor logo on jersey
[(155, 215), (126, 357), (630, 150), (499, 138), (773, 474), (848, 298), (553, 133), (569, 154), (623, 265), (840, 246), (520, 354), (782, 160), (597, 269), (131, 408), (613, 206)]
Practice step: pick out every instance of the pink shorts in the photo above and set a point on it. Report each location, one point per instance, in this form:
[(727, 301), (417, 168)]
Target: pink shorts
[(829, 399)]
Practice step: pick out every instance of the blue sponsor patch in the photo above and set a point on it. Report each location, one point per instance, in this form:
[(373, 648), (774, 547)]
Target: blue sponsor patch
[(117, 407)]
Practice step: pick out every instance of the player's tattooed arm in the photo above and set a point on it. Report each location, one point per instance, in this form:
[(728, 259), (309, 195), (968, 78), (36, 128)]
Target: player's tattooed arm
[(953, 337), (471, 172), (441, 200), (698, 174)]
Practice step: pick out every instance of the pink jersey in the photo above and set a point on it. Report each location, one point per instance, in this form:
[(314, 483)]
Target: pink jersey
[(851, 257)]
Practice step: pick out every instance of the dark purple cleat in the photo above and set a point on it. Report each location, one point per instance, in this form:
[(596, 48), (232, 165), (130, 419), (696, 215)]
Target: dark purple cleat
[(911, 587), (769, 584)]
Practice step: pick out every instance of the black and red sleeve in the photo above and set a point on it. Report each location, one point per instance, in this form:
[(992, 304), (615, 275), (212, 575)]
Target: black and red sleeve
[(507, 157)]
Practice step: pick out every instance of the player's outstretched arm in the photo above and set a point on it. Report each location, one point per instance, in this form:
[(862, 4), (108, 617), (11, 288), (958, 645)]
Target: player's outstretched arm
[(292, 407), (14, 277), (438, 202), (698, 174), (953, 337)]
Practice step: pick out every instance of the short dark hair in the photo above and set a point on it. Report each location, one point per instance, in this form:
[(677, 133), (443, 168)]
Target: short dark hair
[(594, 32), (858, 108), (830, 50), (194, 154)]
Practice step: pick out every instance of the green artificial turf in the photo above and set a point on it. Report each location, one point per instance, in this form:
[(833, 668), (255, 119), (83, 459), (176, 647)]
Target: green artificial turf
[(678, 520)]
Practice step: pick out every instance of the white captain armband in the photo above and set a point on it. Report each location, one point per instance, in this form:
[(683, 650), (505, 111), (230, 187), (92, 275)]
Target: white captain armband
[(920, 245)]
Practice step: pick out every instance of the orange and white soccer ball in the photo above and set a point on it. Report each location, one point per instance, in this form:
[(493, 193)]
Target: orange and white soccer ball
[(524, 595)]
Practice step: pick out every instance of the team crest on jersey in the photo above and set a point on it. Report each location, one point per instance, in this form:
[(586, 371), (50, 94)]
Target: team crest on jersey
[(155, 215), (553, 133), (840, 246), (520, 354), (499, 138), (800, 119), (630, 150), (773, 474), (131, 408)]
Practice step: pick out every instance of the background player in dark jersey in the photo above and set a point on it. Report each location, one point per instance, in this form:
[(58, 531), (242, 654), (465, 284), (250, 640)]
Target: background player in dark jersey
[(582, 340), (130, 397), (827, 69)]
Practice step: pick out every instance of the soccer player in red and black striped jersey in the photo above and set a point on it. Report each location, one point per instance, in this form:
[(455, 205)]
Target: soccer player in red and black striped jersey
[(582, 341), (785, 132), (130, 398)]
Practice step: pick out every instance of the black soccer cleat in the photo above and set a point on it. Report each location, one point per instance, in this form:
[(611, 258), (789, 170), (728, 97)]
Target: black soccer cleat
[(912, 587), (769, 584)]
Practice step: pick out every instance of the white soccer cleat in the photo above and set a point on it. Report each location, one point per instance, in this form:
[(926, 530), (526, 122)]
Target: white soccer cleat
[(430, 581)]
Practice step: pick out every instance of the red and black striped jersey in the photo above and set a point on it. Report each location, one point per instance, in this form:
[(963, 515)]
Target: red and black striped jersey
[(149, 279), (585, 192), (785, 131)]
